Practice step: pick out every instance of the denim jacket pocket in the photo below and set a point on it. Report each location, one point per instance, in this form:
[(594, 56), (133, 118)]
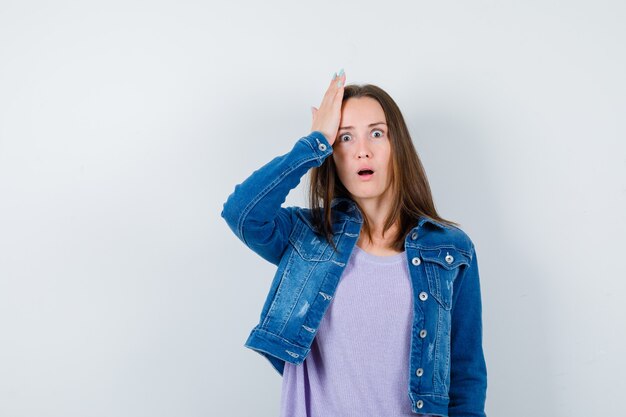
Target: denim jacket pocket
[(442, 268)]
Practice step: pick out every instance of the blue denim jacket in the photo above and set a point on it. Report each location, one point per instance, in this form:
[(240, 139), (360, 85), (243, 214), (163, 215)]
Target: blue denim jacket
[(447, 371)]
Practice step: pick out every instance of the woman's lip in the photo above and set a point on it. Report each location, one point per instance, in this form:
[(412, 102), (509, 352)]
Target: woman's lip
[(365, 176)]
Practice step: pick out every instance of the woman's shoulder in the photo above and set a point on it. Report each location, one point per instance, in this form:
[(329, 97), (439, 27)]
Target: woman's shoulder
[(461, 234), (442, 233)]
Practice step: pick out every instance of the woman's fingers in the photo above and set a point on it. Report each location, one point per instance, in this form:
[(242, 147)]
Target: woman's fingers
[(341, 78), (335, 86), (330, 91), (326, 118)]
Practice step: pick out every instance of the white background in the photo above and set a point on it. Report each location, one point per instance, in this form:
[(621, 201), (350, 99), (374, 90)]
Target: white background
[(125, 125)]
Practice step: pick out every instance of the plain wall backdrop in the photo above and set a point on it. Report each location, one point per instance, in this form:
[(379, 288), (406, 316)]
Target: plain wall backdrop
[(125, 125)]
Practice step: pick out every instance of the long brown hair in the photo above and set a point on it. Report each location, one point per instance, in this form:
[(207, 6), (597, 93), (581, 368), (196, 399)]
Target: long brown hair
[(409, 185)]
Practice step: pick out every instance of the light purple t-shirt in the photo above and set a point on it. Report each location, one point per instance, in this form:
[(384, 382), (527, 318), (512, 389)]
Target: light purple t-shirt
[(359, 360)]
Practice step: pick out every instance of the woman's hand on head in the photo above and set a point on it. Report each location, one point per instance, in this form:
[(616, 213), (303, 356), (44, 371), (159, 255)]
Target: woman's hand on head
[(326, 119)]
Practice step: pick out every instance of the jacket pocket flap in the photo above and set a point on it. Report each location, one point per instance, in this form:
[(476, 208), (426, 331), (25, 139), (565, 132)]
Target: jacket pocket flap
[(449, 258)]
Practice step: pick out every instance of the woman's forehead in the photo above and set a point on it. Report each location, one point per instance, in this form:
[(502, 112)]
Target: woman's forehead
[(361, 111)]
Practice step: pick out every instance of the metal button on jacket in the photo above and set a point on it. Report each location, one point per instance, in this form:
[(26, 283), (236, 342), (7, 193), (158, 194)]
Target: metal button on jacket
[(419, 372), (419, 404), (416, 261), (449, 258), (423, 296), (423, 333), (322, 147), (414, 235)]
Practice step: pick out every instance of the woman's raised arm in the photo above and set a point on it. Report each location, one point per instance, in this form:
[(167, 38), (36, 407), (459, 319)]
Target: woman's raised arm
[(253, 210)]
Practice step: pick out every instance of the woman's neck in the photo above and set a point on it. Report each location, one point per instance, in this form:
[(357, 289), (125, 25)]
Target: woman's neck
[(382, 246)]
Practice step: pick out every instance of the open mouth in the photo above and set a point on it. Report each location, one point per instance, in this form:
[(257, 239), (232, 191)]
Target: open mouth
[(365, 173)]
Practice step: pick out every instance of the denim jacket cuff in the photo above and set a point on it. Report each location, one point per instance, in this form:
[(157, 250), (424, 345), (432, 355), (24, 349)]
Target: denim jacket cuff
[(319, 144)]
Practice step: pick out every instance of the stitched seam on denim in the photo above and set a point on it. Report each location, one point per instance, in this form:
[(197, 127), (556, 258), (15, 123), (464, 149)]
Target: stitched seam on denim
[(442, 308), (329, 247), (441, 374), (411, 367), (265, 354), (282, 339), (440, 311), (420, 359), (444, 246), (324, 306), (433, 286), (448, 353), (436, 378), (472, 252), (319, 257), (293, 304), (417, 302), (443, 397), (438, 283), (437, 259), (446, 357), (273, 306), (309, 143)]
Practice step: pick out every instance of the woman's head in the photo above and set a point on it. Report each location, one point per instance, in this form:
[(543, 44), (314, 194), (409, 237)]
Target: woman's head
[(378, 137)]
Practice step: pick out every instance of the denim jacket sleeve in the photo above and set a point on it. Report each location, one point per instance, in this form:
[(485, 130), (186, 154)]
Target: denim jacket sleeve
[(468, 371), (253, 210)]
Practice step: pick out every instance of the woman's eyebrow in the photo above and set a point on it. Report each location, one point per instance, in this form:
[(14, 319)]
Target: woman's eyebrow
[(371, 125)]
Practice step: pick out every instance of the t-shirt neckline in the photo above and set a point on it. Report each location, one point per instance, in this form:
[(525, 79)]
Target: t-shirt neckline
[(378, 259)]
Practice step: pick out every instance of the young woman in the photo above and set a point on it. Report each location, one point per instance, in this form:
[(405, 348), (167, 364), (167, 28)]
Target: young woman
[(375, 309)]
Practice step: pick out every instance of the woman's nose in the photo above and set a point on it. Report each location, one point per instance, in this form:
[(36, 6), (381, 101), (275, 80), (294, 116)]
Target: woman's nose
[(363, 150)]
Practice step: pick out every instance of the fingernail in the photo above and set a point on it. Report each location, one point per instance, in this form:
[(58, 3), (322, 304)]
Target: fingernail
[(341, 72), (334, 75), (339, 83)]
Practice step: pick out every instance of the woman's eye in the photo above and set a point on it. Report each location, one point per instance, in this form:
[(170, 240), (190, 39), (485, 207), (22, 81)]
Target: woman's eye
[(343, 136), (378, 133)]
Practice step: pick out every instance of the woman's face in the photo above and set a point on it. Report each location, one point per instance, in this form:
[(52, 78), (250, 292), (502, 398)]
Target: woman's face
[(363, 142)]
